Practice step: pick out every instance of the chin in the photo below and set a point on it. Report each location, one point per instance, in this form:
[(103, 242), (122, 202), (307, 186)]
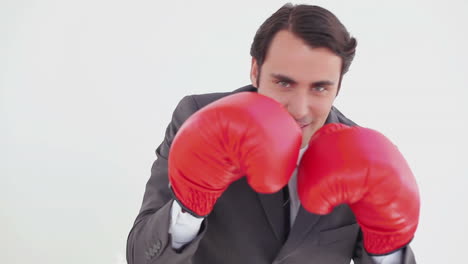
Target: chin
[(307, 133)]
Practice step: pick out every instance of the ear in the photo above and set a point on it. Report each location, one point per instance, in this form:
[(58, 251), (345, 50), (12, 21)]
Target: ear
[(254, 72)]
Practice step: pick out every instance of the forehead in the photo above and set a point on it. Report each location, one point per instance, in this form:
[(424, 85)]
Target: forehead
[(291, 56)]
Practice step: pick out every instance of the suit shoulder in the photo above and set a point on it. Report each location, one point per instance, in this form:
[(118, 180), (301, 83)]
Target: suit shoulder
[(190, 104), (202, 100), (337, 117)]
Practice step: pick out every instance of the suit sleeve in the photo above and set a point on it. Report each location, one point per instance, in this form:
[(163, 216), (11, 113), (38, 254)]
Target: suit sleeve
[(362, 257), (149, 240)]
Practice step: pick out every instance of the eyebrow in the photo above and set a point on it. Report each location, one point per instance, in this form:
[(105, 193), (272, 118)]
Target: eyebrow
[(290, 80)]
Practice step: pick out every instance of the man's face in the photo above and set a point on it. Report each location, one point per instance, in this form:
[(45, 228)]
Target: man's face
[(303, 79)]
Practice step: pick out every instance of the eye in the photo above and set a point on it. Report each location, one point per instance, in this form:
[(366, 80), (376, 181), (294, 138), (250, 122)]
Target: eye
[(284, 84), (320, 89)]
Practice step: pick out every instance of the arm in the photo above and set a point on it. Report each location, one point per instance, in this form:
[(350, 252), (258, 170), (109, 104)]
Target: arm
[(362, 168), (149, 238), (224, 141)]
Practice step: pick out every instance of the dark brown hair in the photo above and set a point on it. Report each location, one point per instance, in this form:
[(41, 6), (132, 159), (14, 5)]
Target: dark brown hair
[(315, 25)]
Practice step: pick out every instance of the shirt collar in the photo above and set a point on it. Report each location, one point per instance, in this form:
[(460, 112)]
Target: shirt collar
[(301, 152)]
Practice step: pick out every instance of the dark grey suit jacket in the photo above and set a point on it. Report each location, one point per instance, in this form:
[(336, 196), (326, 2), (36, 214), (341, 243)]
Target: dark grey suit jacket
[(244, 227)]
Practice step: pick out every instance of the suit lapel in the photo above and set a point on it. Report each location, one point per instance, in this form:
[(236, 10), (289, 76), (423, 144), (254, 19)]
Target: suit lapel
[(273, 208), (302, 226)]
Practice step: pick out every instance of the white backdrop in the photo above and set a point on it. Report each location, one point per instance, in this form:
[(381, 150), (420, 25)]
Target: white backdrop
[(88, 87)]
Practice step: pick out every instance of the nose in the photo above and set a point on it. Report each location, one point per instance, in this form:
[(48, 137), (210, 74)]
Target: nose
[(298, 106)]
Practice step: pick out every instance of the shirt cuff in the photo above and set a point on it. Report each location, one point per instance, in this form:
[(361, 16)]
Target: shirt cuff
[(183, 227), (394, 258)]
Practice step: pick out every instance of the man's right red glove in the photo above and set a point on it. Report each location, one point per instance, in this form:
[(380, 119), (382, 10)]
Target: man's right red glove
[(245, 134)]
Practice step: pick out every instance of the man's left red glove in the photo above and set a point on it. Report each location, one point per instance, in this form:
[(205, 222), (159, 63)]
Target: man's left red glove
[(362, 168)]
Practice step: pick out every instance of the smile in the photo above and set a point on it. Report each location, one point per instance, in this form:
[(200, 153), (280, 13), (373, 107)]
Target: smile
[(303, 125)]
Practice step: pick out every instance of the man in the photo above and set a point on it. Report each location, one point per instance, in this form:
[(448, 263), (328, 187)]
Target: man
[(229, 186)]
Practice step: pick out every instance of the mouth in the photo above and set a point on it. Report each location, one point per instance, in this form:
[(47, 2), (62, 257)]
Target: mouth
[(302, 126)]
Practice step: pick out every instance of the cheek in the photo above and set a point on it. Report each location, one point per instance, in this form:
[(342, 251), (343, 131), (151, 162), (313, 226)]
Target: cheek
[(270, 91), (321, 108)]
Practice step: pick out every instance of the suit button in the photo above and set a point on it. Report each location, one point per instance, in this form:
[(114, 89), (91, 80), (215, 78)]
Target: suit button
[(153, 250)]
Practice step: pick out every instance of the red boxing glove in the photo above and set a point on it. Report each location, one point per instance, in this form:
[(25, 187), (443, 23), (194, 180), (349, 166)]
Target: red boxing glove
[(362, 168), (245, 134)]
